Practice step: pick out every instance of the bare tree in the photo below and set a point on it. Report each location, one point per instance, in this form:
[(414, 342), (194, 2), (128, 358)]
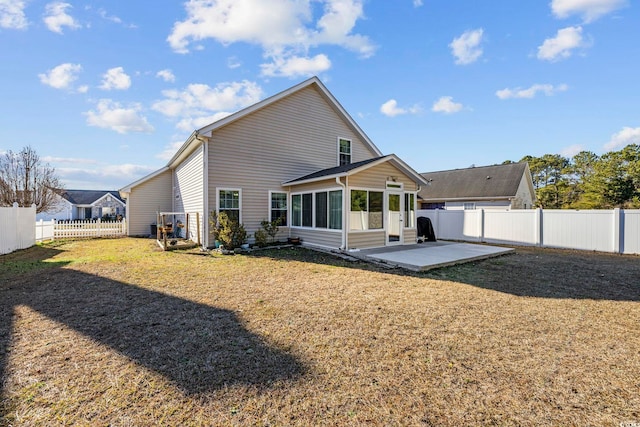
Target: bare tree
[(26, 180)]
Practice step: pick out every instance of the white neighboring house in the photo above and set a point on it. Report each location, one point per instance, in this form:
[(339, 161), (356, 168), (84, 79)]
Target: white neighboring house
[(85, 204), (507, 186)]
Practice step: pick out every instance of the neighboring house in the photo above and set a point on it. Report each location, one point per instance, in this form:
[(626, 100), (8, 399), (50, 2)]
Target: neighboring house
[(297, 156), (84, 204), (507, 186)]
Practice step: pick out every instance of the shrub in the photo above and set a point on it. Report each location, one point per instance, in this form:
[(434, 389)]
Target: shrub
[(229, 232), (271, 228), (261, 237)]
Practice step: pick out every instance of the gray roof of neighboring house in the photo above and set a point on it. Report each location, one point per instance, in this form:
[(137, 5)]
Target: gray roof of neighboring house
[(87, 197), (498, 181)]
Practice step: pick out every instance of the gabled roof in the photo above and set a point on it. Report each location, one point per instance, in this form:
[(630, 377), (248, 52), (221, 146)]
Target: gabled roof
[(194, 139), (350, 169), (87, 197), (498, 181), (201, 135)]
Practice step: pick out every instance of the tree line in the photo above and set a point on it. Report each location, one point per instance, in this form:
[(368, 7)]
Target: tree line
[(586, 180)]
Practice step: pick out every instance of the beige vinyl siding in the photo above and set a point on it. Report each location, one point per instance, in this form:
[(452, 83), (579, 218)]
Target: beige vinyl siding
[(189, 186), (293, 137), (366, 239), (322, 238), (376, 177), (145, 200), (410, 236)]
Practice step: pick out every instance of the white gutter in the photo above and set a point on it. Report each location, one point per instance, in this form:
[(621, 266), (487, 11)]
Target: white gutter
[(345, 215)]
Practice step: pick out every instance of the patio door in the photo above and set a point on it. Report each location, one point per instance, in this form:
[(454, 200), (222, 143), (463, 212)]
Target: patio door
[(394, 218)]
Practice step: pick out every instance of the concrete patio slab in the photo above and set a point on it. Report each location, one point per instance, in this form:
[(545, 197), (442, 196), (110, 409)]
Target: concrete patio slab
[(429, 255)]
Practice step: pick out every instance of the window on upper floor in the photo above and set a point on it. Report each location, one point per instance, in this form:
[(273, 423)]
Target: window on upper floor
[(344, 151)]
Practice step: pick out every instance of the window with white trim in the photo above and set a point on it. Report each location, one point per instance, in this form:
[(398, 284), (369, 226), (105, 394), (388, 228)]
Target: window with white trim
[(409, 210), (366, 210), (321, 209), (278, 208), (344, 151), (229, 202)]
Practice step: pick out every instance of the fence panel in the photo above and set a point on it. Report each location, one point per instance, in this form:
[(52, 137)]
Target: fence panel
[(89, 229), (44, 230), (614, 230), (16, 228), (516, 226), (454, 224), (631, 236), (591, 230)]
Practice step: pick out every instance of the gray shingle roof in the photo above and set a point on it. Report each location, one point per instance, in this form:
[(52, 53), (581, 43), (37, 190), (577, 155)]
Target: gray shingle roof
[(499, 181), (334, 171), (87, 197)]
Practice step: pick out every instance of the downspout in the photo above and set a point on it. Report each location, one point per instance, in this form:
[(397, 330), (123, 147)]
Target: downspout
[(205, 188), (344, 213)]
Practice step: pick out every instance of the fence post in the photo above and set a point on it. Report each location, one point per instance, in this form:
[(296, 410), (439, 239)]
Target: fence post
[(618, 231), (538, 227), (481, 225)]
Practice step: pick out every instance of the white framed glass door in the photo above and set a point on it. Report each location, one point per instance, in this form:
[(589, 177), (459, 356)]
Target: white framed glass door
[(394, 205)]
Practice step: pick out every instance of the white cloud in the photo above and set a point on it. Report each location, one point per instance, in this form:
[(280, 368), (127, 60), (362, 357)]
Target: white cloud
[(417, 3), (56, 17), (71, 160), (166, 75), (391, 109), (572, 150), (446, 105), (111, 115), (115, 78), (590, 10), (170, 150), (233, 62), (12, 14), (466, 48), (62, 76), (560, 46), (188, 124), (531, 92), (198, 102), (623, 138), (296, 66), (281, 27), (101, 176)]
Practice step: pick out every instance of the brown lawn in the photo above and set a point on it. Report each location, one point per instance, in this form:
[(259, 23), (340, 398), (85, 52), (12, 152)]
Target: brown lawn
[(116, 332)]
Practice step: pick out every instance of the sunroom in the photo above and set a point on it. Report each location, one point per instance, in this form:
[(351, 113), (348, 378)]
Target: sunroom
[(367, 204)]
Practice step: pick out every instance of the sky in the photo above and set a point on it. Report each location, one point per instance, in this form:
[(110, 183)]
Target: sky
[(106, 91)]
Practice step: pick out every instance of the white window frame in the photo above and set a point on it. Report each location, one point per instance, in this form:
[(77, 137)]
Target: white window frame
[(239, 190), (406, 210), (469, 206), (288, 203), (384, 204), (350, 150), (313, 210)]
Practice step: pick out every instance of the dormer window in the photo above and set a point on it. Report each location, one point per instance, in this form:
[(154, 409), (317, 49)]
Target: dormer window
[(344, 151)]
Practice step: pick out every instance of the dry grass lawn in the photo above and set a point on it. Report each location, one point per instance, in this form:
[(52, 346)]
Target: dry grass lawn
[(116, 332)]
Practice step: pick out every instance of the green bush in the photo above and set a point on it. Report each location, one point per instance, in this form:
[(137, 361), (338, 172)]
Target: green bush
[(230, 233), (261, 237)]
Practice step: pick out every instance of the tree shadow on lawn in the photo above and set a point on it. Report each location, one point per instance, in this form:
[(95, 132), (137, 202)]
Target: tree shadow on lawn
[(529, 272), (197, 347)]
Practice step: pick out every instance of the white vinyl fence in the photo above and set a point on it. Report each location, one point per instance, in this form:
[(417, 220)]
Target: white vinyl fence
[(616, 230), (16, 228), (51, 230)]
